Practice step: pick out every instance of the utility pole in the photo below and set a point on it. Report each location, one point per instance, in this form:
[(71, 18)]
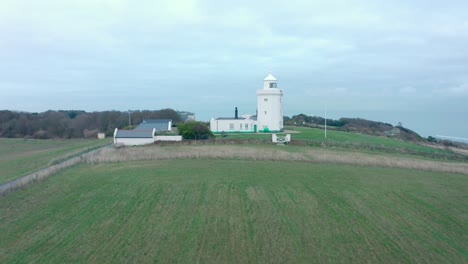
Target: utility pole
[(129, 119), (325, 121)]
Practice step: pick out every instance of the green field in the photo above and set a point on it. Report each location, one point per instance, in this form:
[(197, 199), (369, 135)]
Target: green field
[(237, 211), (19, 157), (349, 140)]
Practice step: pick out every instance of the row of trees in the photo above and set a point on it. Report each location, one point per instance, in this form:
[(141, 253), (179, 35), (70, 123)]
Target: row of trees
[(74, 124), (307, 119)]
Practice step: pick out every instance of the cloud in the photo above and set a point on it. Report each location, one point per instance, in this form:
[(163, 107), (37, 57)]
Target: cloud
[(407, 90), (351, 51), (458, 90)]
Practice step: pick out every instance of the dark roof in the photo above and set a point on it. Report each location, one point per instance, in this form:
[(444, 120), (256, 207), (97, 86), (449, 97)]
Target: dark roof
[(254, 117), (158, 124), (147, 133), (157, 121), (229, 118)]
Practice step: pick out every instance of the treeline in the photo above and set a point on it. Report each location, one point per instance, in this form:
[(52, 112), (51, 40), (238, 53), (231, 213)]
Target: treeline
[(74, 123), (358, 125), (303, 119)]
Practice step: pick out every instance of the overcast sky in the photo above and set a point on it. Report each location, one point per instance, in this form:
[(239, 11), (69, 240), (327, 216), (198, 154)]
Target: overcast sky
[(355, 58)]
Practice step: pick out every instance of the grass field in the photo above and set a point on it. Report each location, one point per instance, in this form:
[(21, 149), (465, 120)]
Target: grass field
[(237, 211), (348, 138), (19, 157)]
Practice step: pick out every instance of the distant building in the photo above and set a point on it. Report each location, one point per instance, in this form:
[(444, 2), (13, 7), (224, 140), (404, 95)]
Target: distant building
[(392, 132), (269, 116), (145, 133), (190, 118), (133, 137), (157, 124), (186, 116)]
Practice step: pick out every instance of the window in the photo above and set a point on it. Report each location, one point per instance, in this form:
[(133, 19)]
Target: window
[(272, 85), (246, 126), (231, 126), (266, 99), (265, 112)]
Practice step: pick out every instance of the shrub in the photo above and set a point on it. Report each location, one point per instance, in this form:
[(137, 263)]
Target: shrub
[(194, 130)]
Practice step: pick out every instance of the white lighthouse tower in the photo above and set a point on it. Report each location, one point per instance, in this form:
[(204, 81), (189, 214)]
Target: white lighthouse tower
[(270, 106)]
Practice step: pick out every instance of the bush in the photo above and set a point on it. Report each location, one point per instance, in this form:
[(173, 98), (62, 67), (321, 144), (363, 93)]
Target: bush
[(194, 130), (88, 133), (41, 134)]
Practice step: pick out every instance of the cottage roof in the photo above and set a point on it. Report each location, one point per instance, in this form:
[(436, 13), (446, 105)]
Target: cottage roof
[(145, 133), (230, 118), (158, 124), (156, 121)]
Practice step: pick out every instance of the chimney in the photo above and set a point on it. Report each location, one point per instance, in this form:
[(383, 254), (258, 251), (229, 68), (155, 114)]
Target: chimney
[(236, 115)]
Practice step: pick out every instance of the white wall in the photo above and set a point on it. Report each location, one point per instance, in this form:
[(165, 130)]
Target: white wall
[(169, 126), (168, 138), (232, 125), (133, 141), (270, 109)]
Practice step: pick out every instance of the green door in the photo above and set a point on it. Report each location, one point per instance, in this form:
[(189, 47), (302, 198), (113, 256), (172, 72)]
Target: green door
[(255, 128)]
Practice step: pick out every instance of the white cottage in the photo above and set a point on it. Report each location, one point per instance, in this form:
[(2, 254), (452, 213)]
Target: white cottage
[(133, 137), (233, 124), (269, 116)]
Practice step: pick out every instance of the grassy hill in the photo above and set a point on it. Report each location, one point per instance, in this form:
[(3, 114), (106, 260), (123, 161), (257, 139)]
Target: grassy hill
[(357, 125), (237, 211), (351, 140)]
